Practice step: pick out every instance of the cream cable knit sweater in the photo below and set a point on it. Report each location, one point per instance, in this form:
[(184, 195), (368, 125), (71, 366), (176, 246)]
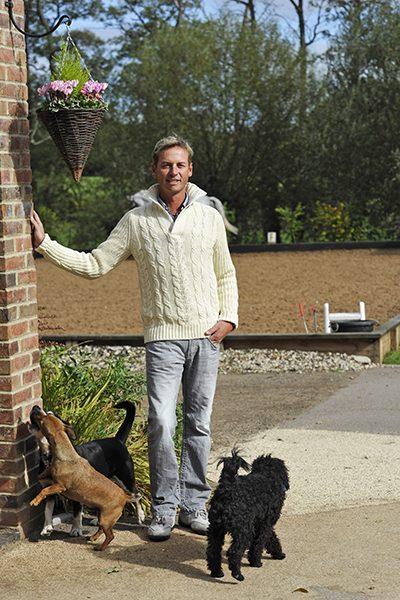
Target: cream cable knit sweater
[(186, 276)]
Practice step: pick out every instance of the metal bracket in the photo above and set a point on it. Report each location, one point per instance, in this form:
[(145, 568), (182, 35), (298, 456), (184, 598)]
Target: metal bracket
[(63, 19)]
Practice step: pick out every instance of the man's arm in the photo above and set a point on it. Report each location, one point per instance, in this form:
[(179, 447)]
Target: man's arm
[(92, 264), (227, 287)]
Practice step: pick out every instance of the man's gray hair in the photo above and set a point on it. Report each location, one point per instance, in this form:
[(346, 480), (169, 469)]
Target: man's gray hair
[(170, 142)]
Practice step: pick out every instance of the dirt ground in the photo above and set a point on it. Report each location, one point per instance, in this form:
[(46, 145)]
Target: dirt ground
[(271, 285)]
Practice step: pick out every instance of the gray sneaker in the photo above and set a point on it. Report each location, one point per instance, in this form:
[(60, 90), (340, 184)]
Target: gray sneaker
[(160, 528), (197, 520)]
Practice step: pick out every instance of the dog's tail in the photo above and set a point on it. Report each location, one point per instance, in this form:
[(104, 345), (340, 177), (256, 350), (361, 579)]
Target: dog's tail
[(124, 430), (232, 464)]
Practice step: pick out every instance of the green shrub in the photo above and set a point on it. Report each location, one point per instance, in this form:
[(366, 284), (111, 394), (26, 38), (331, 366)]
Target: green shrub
[(392, 358)]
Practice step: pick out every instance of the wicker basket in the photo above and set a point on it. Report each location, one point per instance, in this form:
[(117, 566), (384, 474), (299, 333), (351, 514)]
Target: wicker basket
[(73, 132)]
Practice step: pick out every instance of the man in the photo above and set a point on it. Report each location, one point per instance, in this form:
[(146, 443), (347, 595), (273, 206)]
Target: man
[(189, 304)]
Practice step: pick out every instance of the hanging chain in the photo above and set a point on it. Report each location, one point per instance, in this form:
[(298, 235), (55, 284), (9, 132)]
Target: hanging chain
[(71, 41)]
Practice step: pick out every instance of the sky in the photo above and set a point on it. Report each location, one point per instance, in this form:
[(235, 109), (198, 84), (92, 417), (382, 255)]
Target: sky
[(282, 8)]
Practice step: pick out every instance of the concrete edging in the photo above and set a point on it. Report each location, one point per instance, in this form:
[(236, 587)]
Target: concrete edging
[(374, 344)]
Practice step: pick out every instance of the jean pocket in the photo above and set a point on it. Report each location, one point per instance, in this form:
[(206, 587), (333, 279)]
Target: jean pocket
[(215, 345)]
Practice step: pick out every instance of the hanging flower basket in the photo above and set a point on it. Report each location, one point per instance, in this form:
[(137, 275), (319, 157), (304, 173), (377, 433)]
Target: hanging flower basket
[(72, 107), (73, 131)]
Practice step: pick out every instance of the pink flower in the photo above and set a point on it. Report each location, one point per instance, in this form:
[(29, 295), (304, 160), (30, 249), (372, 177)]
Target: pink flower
[(93, 87)]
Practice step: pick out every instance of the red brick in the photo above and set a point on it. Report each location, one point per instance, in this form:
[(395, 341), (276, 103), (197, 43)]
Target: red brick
[(20, 362), (23, 209), (32, 291), (7, 279), (13, 263), (22, 92), (5, 297), (28, 310), (22, 244), (11, 228), (15, 73), (10, 417), (8, 125), (4, 335), (6, 55), (4, 142), (29, 343), (8, 349), (19, 295), (26, 160), (5, 176), (6, 210), (8, 90), (12, 484), (18, 8), (2, 67), (18, 329), (12, 467), (36, 357), (19, 142), (23, 176), (18, 108), (31, 376), (5, 369)]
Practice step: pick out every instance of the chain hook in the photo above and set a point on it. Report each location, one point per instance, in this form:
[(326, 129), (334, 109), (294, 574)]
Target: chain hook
[(63, 19)]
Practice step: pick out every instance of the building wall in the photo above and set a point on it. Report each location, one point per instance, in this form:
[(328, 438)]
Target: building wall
[(20, 386)]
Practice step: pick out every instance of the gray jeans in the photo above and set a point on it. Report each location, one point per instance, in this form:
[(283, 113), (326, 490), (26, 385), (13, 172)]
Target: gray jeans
[(194, 363)]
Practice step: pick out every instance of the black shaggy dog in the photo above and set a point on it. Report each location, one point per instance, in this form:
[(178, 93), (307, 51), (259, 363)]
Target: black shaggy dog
[(247, 507)]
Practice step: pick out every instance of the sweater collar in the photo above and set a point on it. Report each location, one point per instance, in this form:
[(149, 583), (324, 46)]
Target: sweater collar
[(193, 191)]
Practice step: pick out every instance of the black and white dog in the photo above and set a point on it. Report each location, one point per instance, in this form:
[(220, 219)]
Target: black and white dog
[(247, 507), (109, 456)]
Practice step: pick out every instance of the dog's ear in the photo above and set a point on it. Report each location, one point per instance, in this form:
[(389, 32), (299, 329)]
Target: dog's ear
[(70, 431)]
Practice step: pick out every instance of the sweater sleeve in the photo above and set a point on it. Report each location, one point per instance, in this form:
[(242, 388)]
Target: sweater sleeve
[(226, 276), (96, 263)]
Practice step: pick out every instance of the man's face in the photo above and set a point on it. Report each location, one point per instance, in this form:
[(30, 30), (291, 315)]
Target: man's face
[(172, 171)]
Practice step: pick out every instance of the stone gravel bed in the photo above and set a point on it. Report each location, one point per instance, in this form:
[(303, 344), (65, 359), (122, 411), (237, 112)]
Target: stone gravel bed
[(242, 361)]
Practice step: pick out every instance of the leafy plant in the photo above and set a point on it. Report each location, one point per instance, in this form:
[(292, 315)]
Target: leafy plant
[(331, 223), (71, 85), (392, 358), (67, 66), (84, 395), (290, 222)]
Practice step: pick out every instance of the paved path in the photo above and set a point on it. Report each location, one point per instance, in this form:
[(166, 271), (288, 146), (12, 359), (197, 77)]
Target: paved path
[(340, 527)]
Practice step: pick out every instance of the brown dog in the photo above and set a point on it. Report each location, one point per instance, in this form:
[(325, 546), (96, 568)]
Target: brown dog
[(76, 479)]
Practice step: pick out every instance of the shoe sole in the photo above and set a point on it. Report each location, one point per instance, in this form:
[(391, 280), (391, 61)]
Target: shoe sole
[(200, 532), (159, 538)]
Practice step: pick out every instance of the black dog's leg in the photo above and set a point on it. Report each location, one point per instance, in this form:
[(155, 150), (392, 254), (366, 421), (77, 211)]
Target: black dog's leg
[(235, 554), (48, 515), (273, 545), (76, 529), (216, 536), (257, 545)]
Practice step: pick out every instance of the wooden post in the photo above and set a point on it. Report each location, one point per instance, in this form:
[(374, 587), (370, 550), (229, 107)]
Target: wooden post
[(20, 386)]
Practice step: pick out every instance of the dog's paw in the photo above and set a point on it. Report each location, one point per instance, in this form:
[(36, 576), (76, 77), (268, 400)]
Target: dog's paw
[(219, 573), (47, 530), (279, 556), (238, 576), (256, 563), (75, 532)]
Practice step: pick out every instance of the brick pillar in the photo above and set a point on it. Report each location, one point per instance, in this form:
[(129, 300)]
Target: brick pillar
[(20, 386)]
